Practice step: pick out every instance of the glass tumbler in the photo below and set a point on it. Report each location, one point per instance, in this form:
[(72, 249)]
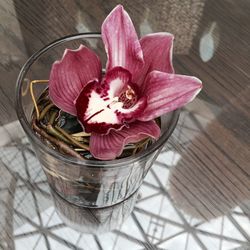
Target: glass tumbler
[(87, 183)]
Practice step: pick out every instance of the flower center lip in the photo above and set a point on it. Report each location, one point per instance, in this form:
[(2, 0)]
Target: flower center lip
[(110, 103), (128, 97)]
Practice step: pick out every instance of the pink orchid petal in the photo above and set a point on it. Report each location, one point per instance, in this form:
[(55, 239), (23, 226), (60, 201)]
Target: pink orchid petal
[(69, 75), (157, 52), (167, 92), (110, 146), (121, 42), (99, 108)]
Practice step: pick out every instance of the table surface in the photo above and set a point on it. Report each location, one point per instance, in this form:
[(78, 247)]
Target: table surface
[(197, 194)]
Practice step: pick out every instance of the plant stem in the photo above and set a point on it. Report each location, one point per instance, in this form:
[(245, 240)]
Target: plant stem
[(52, 131), (76, 143), (53, 117), (61, 145), (45, 110), (81, 134), (33, 96)]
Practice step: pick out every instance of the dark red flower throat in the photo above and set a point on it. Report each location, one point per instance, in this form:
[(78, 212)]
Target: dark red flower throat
[(113, 103)]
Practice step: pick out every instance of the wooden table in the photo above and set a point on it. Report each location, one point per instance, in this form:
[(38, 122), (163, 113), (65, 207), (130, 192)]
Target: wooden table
[(197, 195)]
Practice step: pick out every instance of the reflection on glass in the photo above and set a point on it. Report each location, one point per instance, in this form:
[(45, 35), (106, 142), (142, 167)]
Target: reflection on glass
[(93, 220), (209, 42)]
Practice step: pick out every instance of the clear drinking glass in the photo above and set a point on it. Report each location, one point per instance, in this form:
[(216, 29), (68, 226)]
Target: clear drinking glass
[(88, 183)]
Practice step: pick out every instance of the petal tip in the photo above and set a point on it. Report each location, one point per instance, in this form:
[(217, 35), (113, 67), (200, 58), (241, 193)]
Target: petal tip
[(70, 74), (117, 8), (162, 34), (121, 41), (71, 51), (197, 82)]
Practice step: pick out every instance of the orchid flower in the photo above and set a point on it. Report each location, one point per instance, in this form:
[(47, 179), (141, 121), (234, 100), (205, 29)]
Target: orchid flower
[(139, 86)]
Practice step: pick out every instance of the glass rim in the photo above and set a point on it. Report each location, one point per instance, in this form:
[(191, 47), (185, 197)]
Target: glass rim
[(69, 159)]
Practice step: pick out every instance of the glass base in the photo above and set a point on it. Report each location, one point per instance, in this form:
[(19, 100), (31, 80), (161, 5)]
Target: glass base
[(93, 220)]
